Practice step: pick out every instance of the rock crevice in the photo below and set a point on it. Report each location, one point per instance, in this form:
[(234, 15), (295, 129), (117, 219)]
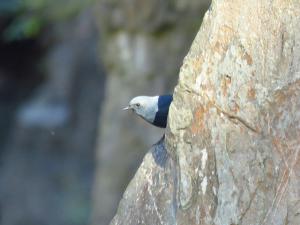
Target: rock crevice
[(234, 125)]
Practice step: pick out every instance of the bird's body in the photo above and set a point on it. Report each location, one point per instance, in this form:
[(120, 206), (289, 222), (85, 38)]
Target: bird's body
[(161, 116), (152, 109)]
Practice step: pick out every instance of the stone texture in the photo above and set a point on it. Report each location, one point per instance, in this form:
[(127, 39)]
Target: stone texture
[(233, 134), (155, 201)]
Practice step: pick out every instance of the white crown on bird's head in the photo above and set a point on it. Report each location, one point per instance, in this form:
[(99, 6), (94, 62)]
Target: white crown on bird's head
[(144, 106), (153, 109)]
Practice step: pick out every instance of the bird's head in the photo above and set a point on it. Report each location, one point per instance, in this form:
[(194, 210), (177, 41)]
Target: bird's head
[(144, 106)]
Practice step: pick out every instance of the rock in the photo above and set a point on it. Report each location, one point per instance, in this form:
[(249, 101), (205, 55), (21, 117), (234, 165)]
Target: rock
[(234, 125), (156, 197)]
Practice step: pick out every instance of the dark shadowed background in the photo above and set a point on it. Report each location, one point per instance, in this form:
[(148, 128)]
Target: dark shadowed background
[(67, 151)]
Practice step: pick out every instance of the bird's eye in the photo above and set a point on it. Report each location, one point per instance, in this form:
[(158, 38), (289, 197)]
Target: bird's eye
[(138, 104)]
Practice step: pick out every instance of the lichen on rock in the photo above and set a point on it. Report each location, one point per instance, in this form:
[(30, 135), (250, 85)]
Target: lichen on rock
[(234, 124)]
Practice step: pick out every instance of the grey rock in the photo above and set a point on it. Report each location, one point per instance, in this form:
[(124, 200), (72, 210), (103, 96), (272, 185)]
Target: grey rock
[(234, 125), (156, 200)]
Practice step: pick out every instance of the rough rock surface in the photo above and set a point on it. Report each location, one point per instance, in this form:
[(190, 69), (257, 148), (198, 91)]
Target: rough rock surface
[(143, 44), (231, 153)]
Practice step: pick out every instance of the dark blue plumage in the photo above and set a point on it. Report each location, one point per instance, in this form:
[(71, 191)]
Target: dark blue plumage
[(161, 115)]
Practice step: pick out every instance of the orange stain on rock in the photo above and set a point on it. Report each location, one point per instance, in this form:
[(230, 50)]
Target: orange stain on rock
[(225, 36), (280, 97), (248, 58), (235, 107), (220, 48), (197, 64), (226, 81), (200, 116), (276, 142), (198, 123), (251, 94)]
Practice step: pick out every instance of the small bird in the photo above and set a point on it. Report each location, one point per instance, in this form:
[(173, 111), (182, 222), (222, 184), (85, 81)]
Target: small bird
[(152, 109)]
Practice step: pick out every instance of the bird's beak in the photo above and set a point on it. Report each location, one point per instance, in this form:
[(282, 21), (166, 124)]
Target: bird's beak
[(126, 108)]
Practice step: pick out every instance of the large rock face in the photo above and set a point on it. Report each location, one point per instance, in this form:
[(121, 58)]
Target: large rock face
[(231, 152)]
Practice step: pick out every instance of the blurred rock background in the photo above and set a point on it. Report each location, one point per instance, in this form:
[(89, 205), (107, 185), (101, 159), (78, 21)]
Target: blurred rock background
[(67, 152)]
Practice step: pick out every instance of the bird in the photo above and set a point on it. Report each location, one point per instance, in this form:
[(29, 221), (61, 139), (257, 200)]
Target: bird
[(153, 109)]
